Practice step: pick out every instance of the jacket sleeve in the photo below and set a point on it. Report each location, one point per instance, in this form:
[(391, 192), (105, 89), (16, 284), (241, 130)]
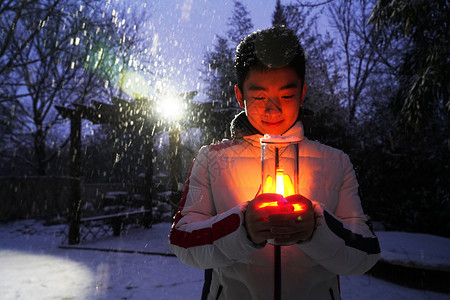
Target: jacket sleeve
[(344, 242), (199, 236)]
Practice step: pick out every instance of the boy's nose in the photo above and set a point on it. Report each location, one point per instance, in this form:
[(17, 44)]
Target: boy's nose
[(273, 106)]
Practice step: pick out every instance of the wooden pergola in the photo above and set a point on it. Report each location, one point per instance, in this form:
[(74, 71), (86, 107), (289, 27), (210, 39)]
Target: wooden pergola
[(122, 113), (119, 113)]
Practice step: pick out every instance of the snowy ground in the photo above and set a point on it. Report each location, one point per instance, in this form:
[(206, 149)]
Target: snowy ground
[(33, 266)]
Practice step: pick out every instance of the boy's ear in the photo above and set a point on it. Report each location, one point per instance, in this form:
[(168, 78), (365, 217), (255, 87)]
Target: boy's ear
[(239, 96), (303, 95)]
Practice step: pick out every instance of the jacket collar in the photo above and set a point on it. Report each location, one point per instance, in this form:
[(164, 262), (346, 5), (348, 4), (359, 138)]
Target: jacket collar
[(241, 128)]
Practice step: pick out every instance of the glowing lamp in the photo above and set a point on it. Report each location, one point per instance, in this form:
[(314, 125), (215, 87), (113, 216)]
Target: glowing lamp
[(280, 169), (283, 186), (279, 160)]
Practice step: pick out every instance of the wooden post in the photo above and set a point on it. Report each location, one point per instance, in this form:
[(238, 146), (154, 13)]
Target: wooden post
[(175, 160), (75, 172), (148, 182), (175, 166)]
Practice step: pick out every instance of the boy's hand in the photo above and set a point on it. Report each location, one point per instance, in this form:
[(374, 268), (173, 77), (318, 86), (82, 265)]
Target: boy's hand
[(256, 218), (297, 226)]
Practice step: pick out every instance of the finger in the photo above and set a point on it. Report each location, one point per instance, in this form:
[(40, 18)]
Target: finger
[(264, 204), (267, 213), (280, 208), (287, 223), (298, 199), (267, 235), (268, 197), (282, 230), (291, 230), (279, 218), (261, 226)]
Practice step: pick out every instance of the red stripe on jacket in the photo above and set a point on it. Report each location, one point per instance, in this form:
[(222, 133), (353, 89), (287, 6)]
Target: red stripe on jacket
[(202, 236), (205, 236), (178, 215)]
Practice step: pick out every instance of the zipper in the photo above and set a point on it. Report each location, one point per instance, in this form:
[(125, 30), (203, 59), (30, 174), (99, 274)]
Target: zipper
[(331, 294), (219, 292)]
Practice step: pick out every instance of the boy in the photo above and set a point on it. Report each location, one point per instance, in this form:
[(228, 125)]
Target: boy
[(219, 225)]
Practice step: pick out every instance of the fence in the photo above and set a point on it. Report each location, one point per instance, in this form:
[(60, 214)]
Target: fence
[(46, 197), (33, 197)]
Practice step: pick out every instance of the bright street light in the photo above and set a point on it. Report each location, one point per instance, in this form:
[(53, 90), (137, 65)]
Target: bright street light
[(171, 107)]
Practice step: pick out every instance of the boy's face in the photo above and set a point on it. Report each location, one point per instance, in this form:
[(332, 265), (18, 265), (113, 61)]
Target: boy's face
[(271, 99)]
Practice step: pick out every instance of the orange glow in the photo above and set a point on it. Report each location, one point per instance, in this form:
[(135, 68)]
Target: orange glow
[(297, 207), (283, 184), (266, 204), (280, 182)]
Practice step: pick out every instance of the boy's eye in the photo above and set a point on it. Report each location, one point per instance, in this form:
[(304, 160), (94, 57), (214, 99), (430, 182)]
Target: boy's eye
[(260, 98)]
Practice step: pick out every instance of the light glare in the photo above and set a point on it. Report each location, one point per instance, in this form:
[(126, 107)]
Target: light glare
[(170, 107)]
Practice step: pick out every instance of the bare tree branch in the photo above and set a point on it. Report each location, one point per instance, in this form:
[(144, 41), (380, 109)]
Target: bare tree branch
[(26, 42), (313, 5)]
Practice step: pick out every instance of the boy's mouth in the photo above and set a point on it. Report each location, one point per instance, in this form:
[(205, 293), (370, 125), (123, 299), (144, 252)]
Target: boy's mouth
[(271, 123)]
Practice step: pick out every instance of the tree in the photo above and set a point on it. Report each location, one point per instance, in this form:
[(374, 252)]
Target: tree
[(218, 73), (18, 30), (218, 67), (279, 16), (63, 62), (240, 24), (322, 74), (358, 41), (424, 69), (12, 16), (40, 71), (220, 79), (406, 156)]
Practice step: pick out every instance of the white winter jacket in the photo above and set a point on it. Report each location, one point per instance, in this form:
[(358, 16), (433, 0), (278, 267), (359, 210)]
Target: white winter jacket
[(209, 232)]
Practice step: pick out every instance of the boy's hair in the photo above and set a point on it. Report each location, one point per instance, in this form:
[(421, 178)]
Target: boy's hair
[(274, 47)]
